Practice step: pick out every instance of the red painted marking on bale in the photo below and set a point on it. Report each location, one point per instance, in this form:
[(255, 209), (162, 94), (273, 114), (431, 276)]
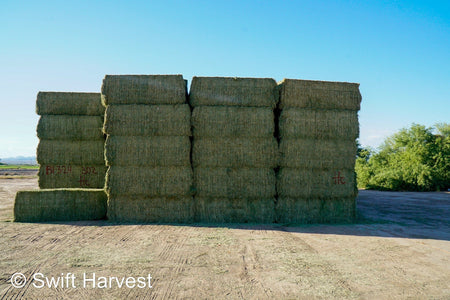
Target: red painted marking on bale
[(338, 179)]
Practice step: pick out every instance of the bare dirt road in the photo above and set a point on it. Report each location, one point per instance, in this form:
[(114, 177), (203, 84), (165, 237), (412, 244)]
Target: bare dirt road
[(400, 248)]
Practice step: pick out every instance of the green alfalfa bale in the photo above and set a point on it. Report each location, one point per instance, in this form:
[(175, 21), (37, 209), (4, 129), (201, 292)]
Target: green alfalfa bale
[(143, 209), (233, 91), (229, 121), (60, 205), (71, 152), (298, 183), (149, 181), (162, 151), (319, 94), (235, 183), (238, 210), (69, 103), (148, 120), (319, 124), (71, 176), (62, 127), (317, 154), (143, 89), (235, 152), (315, 210)]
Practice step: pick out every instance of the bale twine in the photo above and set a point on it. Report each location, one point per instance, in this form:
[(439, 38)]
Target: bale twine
[(60, 205)]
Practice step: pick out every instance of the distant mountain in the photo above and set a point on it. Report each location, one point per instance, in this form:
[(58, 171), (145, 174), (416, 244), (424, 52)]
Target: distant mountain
[(19, 160)]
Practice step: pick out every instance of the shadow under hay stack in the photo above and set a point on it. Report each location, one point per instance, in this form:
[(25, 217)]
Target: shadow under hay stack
[(147, 122), (70, 150), (318, 126), (234, 149)]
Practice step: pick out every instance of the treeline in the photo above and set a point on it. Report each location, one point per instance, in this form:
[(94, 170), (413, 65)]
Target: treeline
[(413, 159)]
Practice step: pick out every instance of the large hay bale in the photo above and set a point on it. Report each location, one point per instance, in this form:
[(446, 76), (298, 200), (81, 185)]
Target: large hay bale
[(149, 181), (148, 120), (143, 209), (143, 89), (315, 210), (71, 152), (69, 103), (61, 127), (148, 151), (299, 183), (60, 205), (235, 183), (71, 176), (229, 91), (319, 94), (235, 152), (212, 121), (317, 154), (319, 124), (239, 210)]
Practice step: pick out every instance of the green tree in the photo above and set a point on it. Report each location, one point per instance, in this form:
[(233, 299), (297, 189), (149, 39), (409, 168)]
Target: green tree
[(362, 168), (413, 159)]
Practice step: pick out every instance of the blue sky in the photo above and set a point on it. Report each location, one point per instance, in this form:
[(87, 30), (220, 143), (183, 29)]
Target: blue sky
[(397, 50)]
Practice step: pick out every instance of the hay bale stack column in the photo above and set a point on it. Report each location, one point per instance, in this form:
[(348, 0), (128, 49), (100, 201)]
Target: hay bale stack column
[(234, 149), (147, 122), (318, 125), (70, 150)]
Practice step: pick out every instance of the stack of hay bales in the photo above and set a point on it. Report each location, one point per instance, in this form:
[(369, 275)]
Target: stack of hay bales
[(234, 149), (72, 165), (70, 150), (318, 125), (147, 122)]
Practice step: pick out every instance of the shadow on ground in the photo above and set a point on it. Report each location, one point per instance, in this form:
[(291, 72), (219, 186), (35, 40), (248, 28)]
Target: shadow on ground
[(383, 214)]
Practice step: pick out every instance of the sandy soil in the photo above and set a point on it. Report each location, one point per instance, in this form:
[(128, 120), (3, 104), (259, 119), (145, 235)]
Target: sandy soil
[(399, 249)]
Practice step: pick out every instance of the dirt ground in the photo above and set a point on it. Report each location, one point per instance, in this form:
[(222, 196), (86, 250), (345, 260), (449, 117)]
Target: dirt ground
[(400, 248), (18, 173)]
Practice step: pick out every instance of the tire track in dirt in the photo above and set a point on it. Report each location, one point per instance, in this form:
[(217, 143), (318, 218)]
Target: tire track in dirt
[(175, 252), (250, 269), (251, 266), (45, 245), (326, 267), (19, 293)]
